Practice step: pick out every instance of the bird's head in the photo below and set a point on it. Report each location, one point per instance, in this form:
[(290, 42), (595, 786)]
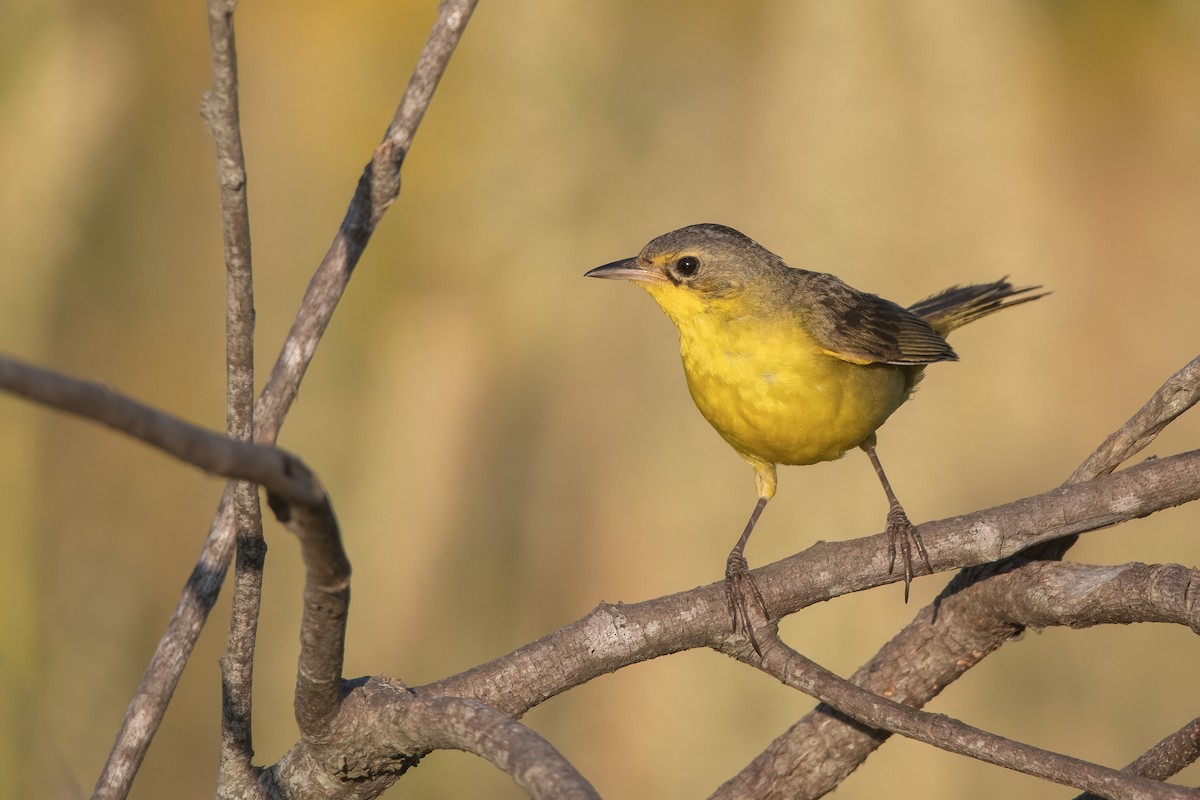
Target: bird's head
[(698, 269)]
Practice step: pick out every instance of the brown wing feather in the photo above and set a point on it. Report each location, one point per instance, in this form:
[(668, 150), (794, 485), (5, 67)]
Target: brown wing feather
[(864, 328)]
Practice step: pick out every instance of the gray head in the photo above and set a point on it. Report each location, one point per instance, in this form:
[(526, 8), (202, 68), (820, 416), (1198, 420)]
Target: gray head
[(709, 260)]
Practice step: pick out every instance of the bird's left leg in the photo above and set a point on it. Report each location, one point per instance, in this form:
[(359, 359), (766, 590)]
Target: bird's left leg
[(740, 589), (899, 529)]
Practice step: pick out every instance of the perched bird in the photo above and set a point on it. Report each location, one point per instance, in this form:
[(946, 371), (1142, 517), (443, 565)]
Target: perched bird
[(796, 367)]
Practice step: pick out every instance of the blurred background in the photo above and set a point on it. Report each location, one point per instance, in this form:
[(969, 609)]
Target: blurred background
[(508, 444)]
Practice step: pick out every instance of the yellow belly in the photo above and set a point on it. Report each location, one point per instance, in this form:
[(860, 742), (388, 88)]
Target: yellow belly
[(776, 397)]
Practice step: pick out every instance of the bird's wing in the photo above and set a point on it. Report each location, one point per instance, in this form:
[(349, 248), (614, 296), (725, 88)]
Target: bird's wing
[(863, 328)]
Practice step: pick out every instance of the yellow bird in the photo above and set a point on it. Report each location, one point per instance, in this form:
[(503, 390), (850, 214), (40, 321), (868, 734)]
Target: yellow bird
[(796, 367)]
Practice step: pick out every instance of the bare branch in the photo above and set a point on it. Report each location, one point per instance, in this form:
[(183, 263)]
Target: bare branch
[(462, 724), (162, 674), (383, 729), (954, 736), (1172, 753), (1180, 392), (984, 537), (943, 641), (326, 610), (377, 189), (146, 710), (278, 471), (237, 666), (629, 633), (295, 495), (611, 637)]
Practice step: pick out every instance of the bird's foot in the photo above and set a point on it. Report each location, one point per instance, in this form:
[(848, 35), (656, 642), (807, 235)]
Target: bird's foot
[(904, 536), (742, 596)]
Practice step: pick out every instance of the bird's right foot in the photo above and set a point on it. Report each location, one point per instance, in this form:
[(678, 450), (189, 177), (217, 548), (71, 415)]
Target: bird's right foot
[(903, 534), (742, 595)]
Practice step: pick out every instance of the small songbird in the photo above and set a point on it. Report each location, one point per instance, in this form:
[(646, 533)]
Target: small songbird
[(796, 367)]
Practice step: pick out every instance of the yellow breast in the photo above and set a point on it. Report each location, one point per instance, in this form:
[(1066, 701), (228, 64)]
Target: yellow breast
[(772, 392)]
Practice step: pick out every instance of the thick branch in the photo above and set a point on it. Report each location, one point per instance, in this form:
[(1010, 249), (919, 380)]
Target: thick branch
[(1039, 594), (985, 536), (383, 729), (942, 642), (611, 637)]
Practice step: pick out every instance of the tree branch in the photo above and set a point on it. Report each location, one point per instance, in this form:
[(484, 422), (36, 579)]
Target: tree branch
[(954, 736), (148, 705), (1171, 754), (326, 610), (943, 641), (1179, 393), (280, 472), (611, 637), (383, 729), (377, 189), (237, 665), (293, 491)]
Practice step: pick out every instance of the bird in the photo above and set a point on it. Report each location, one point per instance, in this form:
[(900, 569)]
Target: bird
[(796, 367)]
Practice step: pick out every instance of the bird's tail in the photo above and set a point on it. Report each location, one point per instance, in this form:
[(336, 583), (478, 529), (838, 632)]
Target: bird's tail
[(959, 305)]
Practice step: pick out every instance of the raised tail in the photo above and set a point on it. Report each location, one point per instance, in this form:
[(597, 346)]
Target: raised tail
[(959, 305)]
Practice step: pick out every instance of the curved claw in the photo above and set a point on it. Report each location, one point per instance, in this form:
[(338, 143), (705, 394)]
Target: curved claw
[(902, 532), (741, 593)]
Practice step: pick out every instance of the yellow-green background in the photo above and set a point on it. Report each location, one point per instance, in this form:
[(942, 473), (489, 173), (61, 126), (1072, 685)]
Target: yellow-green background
[(508, 444)]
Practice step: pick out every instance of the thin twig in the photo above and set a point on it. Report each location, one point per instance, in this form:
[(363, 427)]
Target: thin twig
[(237, 665), (277, 470), (1180, 392), (149, 703), (377, 189)]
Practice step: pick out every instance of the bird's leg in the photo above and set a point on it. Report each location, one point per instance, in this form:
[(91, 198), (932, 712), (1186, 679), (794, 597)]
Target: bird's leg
[(899, 529), (740, 588)]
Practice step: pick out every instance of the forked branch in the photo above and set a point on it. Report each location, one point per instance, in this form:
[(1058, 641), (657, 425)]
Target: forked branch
[(378, 188)]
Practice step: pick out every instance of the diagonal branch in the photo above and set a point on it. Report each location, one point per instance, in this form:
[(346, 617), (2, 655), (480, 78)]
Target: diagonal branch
[(611, 637), (377, 189), (949, 734), (1180, 392), (1168, 756), (943, 641), (1042, 594)]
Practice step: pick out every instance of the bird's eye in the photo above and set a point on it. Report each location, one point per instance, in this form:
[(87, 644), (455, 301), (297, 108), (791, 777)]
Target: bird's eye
[(687, 266)]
